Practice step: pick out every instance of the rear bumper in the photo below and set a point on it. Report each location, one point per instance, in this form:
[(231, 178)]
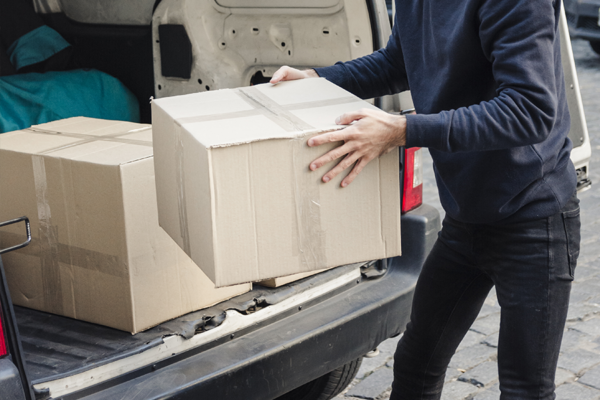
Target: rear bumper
[(277, 358), (10, 381)]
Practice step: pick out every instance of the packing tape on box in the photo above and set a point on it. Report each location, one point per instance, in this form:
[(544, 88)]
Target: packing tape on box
[(78, 257), (85, 139), (272, 110), (257, 111), (308, 231), (181, 198), (51, 282)]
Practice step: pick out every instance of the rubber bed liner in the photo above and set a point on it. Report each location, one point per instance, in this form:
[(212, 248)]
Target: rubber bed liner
[(56, 346)]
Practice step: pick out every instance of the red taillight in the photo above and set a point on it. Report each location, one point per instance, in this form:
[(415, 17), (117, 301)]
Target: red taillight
[(3, 349), (412, 196)]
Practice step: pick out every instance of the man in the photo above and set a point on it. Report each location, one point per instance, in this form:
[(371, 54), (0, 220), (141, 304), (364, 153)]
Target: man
[(487, 83)]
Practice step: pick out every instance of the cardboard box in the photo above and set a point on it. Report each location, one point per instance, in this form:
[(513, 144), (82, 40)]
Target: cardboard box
[(235, 192), (97, 253), (284, 280)]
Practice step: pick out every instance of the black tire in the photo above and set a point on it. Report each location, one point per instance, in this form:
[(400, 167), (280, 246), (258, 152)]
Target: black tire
[(326, 387), (595, 46)]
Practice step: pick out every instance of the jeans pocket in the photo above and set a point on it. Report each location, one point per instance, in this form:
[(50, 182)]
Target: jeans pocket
[(572, 225)]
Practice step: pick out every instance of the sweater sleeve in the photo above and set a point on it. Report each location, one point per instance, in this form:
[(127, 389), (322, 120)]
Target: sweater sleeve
[(520, 39), (377, 74)]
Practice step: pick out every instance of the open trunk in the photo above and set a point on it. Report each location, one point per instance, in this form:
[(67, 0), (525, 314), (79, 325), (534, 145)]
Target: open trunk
[(64, 355)]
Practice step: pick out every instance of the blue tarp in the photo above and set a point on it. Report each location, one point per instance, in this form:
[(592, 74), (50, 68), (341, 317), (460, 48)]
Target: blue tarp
[(30, 99), (36, 46), (36, 98)]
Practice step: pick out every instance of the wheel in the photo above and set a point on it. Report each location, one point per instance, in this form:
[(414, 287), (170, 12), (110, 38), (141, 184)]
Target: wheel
[(326, 387), (595, 46)]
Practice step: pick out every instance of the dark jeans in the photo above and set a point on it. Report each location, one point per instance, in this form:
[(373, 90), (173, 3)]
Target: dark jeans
[(531, 264)]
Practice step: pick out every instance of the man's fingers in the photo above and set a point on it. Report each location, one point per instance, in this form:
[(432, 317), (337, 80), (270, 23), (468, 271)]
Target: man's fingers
[(286, 73), (324, 138), (280, 75), (330, 137), (347, 162), (330, 156), (355, 171), (348, 118)]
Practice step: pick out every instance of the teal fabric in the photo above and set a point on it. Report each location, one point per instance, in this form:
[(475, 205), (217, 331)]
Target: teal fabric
[(34, 98), (36, 46)]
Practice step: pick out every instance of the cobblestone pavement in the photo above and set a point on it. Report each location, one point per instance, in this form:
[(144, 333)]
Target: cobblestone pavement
[(473, 374)]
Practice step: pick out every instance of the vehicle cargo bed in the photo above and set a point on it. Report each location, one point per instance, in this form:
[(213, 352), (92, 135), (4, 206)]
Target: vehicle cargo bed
[(322, 321), (56, 346)]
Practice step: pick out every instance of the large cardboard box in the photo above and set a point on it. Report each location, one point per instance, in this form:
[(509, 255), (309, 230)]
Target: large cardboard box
[(97, 253), (235, 191)]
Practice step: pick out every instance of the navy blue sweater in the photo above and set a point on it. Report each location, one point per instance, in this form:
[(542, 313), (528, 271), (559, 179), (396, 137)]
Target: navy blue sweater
[(487, 83)]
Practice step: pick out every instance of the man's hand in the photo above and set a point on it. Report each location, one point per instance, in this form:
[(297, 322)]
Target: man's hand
[(286, 73), (372, 134)]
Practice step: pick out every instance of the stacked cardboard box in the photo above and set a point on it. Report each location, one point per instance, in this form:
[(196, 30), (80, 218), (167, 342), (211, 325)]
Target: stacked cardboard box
[(97, 253), (235, 191)]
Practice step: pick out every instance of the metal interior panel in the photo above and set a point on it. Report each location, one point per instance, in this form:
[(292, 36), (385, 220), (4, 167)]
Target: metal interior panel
[(108, 12), (278, 3), (237, 46)]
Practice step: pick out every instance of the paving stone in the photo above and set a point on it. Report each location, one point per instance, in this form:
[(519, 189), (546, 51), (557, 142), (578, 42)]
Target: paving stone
[(590, 287), (562, 376), (578, 360), (590, 327), (487, 325), (579, 311), (487, 310), (471, 356), (593, 282), (458, 390), (589, 253), (470, 339), (588, 260), (369, 364), (573, 391), (492, 299), (493, 393), (594, 300), (582, 274), (491, 340), (482, 375), (373, 385), (578, 296), (591, 378), (452, 374), (573, 339)]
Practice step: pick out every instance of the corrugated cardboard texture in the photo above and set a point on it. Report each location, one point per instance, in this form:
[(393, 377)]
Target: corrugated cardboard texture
[(277, 282), (98, 253), (235, 191)]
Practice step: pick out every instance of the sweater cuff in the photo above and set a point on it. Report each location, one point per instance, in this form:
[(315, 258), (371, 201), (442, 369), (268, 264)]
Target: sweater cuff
[(424, 130), (334, 73)]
